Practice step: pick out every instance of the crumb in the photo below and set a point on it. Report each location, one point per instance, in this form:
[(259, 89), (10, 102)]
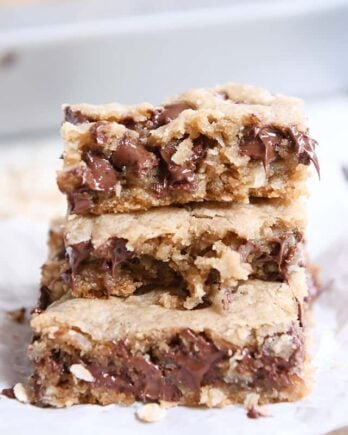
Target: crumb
[(20, 393), (151, 413), (253, 409), (212, 397), (8, 392), (17, 315), (80, 372)]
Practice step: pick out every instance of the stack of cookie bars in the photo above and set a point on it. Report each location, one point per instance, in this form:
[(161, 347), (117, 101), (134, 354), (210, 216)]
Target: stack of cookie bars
[(179, 273)]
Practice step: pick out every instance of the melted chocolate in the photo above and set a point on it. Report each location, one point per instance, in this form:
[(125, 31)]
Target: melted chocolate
[(182, 176), (80, 183), (132, 156), (168, 113), (264, 143), (114, 251), (100, 176), (304, 148), (261, 144), (188, 361), (79, 253)]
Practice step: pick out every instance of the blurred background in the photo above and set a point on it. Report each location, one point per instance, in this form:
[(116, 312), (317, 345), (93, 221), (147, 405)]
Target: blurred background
[(97, 51), (133, 50)]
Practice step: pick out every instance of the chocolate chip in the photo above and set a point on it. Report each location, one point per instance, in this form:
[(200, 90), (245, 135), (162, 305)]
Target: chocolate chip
[(81, 202), (102, 176), (260, 144), (264, 143), (168, 113), (75, 116), (182, 176), (177, 173), (304, 148), (132, 157), (78, 253), (80, 183), (192, 360), (115, 251)]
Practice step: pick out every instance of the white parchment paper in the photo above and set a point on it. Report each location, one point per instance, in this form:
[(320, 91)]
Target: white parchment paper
[(22, 251)]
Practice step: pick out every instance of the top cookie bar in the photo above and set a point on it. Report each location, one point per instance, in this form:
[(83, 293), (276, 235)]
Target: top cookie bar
[(229, 143)]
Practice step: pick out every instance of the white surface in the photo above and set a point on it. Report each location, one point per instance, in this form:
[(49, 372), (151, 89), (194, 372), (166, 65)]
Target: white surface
[(22, 250)]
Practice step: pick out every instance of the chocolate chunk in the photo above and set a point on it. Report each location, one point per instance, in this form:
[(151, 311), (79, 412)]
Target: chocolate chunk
[(81, 202), (78, 253), (101, 175), (75, 116), (8, 392), (253, 412), (168, 113), (80, 183), (260, 144), (182, 176), (192, 360), (133, 157), (304, 148), (115, 251), (264, 143), (274, 264), (177, 173)]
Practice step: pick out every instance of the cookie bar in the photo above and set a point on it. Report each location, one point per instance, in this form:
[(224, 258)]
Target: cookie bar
[(229, 143), (121, 350), (205, 251)]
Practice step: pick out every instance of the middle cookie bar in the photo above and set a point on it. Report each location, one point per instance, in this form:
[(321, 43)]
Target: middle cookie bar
[(204, 250)]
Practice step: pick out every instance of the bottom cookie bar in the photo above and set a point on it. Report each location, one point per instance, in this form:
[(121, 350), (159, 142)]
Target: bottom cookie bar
[(119, 351)]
